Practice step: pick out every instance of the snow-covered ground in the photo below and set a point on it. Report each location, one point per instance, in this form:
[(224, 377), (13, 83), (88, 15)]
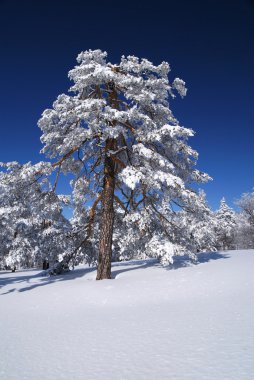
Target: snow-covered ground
[(190, 322)]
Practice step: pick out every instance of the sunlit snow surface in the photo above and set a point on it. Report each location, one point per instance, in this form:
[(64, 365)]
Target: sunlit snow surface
[(190, 322)]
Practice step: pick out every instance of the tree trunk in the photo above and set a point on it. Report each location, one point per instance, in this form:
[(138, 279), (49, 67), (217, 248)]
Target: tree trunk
[(107, 217)]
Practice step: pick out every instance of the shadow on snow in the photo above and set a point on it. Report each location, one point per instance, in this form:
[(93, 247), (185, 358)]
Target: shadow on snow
[(27, 277), (40, 278), (204, 257)]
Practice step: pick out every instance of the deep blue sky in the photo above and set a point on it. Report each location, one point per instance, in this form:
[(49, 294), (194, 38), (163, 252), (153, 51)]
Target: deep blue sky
[(209, 44)]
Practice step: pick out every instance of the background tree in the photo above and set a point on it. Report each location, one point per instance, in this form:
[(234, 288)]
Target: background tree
[(226, 226), (32, 225), (196, 227), (245, 221), (246, 204)]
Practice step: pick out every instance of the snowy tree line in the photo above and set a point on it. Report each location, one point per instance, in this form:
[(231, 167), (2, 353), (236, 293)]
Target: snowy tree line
[(132, 177)]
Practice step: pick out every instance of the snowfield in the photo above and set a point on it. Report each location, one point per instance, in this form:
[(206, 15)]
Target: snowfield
[(190, 322)]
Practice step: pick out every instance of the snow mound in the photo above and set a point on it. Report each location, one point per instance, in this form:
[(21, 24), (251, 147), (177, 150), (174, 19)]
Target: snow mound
[(194, 321)]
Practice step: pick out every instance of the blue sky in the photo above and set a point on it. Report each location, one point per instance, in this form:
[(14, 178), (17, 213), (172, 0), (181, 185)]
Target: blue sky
[(208, 43)]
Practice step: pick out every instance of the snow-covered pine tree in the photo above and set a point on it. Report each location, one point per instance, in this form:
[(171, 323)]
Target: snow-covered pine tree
[(32, 226), (118, 134), (226, 224), (197, 228)]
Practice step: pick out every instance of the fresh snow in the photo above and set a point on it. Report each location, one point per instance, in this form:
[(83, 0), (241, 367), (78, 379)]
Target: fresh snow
[(194, 321)]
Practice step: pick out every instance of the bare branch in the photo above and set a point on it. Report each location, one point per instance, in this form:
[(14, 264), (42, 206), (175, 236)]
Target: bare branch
[(121, 204)]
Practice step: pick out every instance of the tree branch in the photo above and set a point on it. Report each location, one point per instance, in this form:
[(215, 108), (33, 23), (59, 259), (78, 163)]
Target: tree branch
[(121, 204)]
